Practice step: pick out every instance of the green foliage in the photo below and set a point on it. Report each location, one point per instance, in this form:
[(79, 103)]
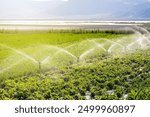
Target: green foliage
[(22, 39), (110, 79)]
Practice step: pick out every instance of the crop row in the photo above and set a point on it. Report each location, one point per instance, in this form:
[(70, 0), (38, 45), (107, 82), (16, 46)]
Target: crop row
[(105, 77)]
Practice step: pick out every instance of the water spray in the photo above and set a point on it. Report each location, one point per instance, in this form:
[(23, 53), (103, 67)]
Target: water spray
[(141, 39), (19, 52)]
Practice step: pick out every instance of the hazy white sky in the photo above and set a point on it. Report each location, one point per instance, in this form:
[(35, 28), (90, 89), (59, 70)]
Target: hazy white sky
[(58, 8), (27, 8)]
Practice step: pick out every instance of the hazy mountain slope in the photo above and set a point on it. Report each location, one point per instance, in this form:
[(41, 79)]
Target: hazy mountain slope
[(87, 7), (107, 9), (138, 11)]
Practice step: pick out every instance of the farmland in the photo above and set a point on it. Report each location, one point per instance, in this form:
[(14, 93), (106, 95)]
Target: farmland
[(74, 64)]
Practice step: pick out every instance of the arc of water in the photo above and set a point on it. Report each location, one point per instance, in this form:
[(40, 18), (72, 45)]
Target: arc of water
[(45, 60), (115, 43), (70, 46), (97, 44), (12, 65), (146, 31), (134, 30), (59, 50), (25, 55), (146, 36), (110, 48), (48, 57), (85, 54), (147, 40), (65, 51), (138, 40), (131, 44), (20, 53), (142, 29)]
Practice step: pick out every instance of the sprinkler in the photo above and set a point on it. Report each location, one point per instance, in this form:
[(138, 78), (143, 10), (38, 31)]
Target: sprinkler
[(39, 67), (78, 59)]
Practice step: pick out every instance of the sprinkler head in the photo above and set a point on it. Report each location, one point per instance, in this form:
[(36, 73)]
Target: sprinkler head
[(40, 66)]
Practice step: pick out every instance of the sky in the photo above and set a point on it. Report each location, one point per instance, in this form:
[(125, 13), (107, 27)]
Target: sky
[(55, 9)]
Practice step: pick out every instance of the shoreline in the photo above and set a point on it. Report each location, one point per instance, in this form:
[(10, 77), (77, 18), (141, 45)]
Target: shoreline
[(57, 25)]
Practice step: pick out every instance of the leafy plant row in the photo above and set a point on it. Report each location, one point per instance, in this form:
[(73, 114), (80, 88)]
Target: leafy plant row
[(105, 77)]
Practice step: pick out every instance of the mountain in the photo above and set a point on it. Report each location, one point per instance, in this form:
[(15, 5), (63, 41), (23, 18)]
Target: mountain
[(141, 11), (100, 9), (89, 8)]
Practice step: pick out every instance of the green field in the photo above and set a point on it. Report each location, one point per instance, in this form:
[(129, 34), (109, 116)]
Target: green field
[(74, 64)]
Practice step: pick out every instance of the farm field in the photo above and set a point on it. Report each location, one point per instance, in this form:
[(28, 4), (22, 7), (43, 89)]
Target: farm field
[(74, 65)]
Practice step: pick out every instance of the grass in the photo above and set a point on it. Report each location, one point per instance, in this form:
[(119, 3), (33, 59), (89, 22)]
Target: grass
[(21, 39)]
